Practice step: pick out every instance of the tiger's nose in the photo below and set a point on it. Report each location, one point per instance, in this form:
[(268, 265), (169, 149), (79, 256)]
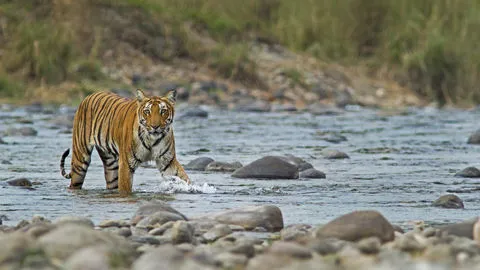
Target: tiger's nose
[(156, 127)]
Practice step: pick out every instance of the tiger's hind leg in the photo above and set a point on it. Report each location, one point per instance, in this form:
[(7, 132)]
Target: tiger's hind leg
[(110, 168), (81, 159)]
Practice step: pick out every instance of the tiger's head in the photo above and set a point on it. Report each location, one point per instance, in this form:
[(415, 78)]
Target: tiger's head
[(155, 113)]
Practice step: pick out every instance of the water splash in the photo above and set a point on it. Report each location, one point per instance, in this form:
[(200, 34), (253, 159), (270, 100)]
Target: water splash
[(173, 184)]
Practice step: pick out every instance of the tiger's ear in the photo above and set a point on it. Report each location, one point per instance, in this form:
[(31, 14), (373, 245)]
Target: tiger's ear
[(140, 95), (172, 96)]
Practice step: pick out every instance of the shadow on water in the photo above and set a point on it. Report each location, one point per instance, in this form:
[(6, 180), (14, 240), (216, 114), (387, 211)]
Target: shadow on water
[(398, 165)]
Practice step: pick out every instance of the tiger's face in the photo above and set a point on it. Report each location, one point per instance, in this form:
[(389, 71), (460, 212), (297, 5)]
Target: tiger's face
[(155, 114)]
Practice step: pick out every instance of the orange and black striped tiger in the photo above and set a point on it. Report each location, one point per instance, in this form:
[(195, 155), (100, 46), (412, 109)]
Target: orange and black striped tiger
[(125, 133)]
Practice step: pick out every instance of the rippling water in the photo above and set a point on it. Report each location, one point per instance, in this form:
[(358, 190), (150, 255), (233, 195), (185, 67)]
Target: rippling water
[(398, 165)]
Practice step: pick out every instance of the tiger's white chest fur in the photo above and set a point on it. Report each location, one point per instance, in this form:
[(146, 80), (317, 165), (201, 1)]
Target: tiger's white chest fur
[(151, 149)]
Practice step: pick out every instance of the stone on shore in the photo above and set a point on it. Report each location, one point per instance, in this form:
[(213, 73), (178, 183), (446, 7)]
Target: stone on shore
[(155, 207), (250, 217), (67, 239), (269, 167), (358, 225)]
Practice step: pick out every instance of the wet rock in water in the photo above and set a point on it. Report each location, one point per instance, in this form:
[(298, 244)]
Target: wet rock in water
[(152, 208), (22, 131), (36, 107), (269, 167), (326, 110), (218, 166), (266, 216), (470, 172), (474, 138), (20, 182), (24, 121), (83, 221), (253, 106), (301, 164), (193, 112), (220, 230), (182, 232), (6, 162), (290, 249), (199, 164), (332, 137), (283, 108), (334, 154), (2, 141), (358, 225), (449, 201), (62, 121), (67, 239), (462, 229), (292, 232), (312, 173)]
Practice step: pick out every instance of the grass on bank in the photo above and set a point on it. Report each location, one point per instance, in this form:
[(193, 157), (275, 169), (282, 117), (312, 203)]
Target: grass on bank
[(427, 45)]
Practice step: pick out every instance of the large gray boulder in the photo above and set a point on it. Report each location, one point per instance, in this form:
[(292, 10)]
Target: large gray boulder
[(269, 167), (250, 217), (66, 240), (358, 225)]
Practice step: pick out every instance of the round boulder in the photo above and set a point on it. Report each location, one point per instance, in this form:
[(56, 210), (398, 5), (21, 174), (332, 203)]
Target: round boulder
[(358, 225), (474, 138), (23, 131), (334, 154), (312, 174), (217, 166), (199, 164), (469, 172), (449, 201), (20, 182), (269, 167)]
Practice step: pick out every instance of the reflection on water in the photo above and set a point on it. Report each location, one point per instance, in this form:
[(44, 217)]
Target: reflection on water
[(398, 165)]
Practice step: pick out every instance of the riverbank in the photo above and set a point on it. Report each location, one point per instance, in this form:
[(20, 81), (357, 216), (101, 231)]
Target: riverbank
[(59, 51), (240, 238)]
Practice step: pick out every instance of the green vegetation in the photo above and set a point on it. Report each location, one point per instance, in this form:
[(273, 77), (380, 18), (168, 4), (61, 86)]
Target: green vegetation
[(427, 45)]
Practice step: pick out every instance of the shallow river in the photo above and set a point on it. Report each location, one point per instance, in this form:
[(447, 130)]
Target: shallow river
[(399, 164)]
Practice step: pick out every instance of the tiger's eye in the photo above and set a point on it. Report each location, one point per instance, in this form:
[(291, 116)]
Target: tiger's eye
[(146, 111), (163, 111)]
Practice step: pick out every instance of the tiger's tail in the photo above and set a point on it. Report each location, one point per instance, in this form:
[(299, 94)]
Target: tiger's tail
[(62, 164)]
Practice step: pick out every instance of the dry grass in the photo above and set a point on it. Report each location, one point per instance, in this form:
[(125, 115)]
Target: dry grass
[(427, 45)]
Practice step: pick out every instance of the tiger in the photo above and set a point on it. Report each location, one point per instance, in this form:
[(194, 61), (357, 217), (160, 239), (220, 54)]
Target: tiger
[(125, 132)]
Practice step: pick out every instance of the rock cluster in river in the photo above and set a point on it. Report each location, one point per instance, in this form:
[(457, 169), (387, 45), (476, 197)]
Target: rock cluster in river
[(160, 237), (278, 167)]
